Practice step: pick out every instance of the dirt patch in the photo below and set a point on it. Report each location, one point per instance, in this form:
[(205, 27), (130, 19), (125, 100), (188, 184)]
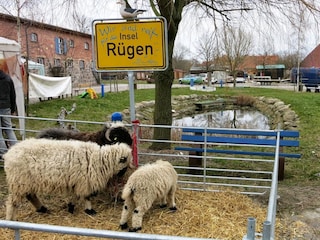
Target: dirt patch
[(301, 204)]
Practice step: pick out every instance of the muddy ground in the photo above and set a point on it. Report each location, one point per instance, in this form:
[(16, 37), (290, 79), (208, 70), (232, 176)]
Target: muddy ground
[(301, 203)]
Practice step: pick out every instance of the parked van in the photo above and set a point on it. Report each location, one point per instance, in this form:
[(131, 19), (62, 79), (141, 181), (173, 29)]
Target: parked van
[(310, 77), (204, 77)]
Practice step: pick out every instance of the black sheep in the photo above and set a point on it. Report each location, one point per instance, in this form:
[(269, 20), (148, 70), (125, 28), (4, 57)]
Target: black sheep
[(108, 135)]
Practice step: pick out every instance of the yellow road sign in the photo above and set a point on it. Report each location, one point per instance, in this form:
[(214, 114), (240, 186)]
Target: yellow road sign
[(133, 45)]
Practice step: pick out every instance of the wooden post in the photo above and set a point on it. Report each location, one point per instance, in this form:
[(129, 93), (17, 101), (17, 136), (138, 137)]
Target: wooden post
[(281, 169), (195, 161)]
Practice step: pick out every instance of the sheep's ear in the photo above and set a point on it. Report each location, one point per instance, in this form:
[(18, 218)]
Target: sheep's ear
[(123, 160)]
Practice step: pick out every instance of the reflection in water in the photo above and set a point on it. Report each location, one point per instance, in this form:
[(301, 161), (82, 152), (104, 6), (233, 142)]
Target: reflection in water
[(245, 119)]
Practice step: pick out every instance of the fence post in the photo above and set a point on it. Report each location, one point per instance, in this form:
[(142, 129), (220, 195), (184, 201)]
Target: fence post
[(251, 229), (135, 142), (266, 234), (195, 161)]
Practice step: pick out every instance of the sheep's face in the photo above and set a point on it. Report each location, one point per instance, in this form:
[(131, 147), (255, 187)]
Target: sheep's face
[(123, 170), (119, 134), (124, 162)]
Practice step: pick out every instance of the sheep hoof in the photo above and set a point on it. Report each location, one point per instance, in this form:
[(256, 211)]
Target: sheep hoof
[(124, 226), (90, 211), (163, 205), (70, 207), (173, 208), (135, 229), (43, 209)]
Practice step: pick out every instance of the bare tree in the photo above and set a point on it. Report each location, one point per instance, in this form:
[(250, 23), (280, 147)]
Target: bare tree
[(300, 39), (235, 45), (217, 10), (81, 22), (267, 50), (206, 49), (179, 58), (15, 7), (289, 59)]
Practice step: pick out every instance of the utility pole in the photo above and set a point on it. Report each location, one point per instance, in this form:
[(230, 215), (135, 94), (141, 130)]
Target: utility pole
[(27, 68)]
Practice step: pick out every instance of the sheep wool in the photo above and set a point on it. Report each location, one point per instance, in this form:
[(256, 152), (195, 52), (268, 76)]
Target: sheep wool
[(150, 182), (111, 133), (71, 167)]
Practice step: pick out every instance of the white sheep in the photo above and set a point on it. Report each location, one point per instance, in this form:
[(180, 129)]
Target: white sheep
[(148, 183), (72, 167), (111, 133)]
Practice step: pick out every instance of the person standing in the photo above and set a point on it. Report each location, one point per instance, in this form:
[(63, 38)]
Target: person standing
[(7, 107)]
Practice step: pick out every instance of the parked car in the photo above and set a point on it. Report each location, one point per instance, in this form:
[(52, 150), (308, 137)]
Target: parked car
[(230, 79), (204, 77), (240, 80), (190, 77)]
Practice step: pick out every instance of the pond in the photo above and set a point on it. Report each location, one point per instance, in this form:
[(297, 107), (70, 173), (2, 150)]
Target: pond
[(240, 118)]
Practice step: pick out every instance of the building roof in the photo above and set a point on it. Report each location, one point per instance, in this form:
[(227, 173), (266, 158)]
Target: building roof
[(29, 22), (273, 66), (250, 62), (312, 59)]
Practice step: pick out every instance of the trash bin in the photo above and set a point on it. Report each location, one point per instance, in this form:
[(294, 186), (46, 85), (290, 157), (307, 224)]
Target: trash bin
[(300, 88)]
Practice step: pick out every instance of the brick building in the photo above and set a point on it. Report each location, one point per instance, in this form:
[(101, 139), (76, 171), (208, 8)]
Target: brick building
[(63, 52), (313, 58)]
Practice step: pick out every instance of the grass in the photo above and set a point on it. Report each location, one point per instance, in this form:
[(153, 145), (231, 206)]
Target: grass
[(306, 105)]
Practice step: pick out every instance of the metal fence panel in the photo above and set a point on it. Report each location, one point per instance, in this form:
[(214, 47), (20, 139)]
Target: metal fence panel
[(251, 175)]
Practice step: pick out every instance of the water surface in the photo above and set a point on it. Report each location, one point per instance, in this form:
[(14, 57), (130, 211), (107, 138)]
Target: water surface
[(244, 119)]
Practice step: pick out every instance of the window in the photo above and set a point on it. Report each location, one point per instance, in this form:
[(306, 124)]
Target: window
[(86, 46), (71, 43), (34, 37), (60, 45), (57, 62), (40, 60), (81, 64), (69, 63)]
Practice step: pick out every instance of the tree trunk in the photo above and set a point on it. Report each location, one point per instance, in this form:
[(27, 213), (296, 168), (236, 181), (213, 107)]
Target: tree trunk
[(162, 109), (163, 80)]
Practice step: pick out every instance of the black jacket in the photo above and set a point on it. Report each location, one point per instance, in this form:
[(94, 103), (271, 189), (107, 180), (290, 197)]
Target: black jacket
[(7, 92)]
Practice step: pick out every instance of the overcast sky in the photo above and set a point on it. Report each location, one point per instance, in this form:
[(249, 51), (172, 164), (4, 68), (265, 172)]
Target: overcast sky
[(282, 38)]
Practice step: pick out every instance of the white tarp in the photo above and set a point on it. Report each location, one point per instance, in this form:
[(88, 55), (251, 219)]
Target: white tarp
[(44, 86), (10, 55)]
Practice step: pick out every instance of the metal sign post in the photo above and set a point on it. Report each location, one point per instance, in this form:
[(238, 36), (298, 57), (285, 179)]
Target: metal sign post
[(132, 102)]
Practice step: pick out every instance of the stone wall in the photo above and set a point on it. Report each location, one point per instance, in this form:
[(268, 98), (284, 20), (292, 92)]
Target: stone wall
[(279, 114)]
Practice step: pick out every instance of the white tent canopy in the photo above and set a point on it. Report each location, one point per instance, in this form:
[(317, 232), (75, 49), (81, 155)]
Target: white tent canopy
[(10, 54)]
